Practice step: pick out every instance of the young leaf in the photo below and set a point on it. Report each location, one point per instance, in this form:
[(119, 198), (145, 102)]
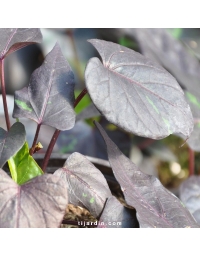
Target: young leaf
[(155, 205), (13, 39), (23, 167), (190, 195), (11, 141), (115, 215), (40, 203), (49, 97), (138, 95), (87, 186)]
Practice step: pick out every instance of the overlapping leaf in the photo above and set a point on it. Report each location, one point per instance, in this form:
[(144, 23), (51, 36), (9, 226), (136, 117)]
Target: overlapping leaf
[(156, 206), (159, 45), (11, 141), (135, 93), (194, 139), (13, 39), (49, 97), (23, 167), (40, 203), (115, 215), (87, 186), (88, 112), (190, 195)]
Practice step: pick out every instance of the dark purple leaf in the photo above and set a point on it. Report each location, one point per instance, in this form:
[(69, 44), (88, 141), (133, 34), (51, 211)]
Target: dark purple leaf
[(49, 97), (135, 93), (87, 186), (159, 45), (88, 112), (13, 39), (190, 195), (74, 140), (11, 141), (155, 205), (194, 139), (39, 203), (115, 215)]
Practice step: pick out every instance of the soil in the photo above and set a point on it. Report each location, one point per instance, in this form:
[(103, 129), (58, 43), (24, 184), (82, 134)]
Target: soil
[(76, 215)]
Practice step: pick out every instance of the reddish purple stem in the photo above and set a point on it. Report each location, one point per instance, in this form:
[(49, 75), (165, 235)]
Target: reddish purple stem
[(56, 134), (35, 140), (191, 162), (3, 91)]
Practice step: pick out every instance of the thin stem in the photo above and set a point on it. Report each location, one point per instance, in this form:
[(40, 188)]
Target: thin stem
[(3, 91), (35, 140), (146, 143), (56, 134), (70, 33), (80, 96), (191, 162), (50, 149)]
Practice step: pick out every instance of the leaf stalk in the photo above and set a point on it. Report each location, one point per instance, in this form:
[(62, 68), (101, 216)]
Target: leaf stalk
[(56, 134), (3, 91)]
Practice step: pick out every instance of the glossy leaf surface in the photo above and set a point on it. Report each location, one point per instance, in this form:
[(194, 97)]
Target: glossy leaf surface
[(87, 186), (11, 141), (115, 215), (49, 97), (40, 203), (156, 206), (23, 167), (135, 93), (190, 195), (13, 39)]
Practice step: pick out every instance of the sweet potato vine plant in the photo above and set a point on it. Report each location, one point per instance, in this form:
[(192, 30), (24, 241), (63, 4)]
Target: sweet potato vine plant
[(130, 91)]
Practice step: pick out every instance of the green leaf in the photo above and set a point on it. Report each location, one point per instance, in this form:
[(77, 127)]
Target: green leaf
[(23, 167)]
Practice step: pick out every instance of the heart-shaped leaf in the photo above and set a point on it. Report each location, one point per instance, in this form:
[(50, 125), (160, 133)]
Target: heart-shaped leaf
[(40, 203), (115, 215), (49, 98), (87, 186), (13, 39), (190, 195), (138, 95), (23, 167), (11, 141), (155, 205)]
